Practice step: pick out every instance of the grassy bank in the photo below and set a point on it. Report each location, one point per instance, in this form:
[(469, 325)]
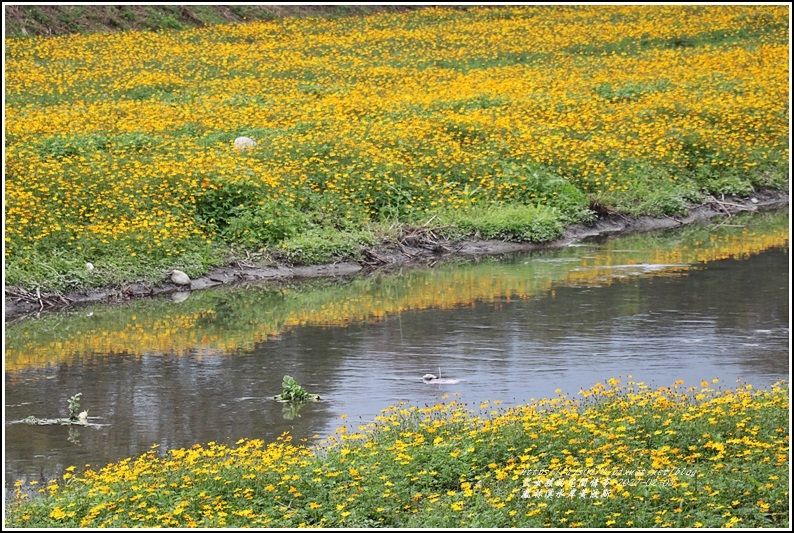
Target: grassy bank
[(618, 455), (507, 123)]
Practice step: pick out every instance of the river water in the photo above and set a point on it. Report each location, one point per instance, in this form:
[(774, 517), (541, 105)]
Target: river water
[(699, 303)]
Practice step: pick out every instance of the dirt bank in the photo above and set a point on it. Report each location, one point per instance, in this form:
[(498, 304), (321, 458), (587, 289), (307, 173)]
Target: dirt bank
[(51, 20), (419, 247)]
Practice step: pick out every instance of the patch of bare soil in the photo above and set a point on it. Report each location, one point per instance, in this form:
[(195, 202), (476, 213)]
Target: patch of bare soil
[(416, 246)]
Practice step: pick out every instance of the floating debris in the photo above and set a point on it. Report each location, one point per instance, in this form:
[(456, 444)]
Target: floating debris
[(442, 381), (32, 420)]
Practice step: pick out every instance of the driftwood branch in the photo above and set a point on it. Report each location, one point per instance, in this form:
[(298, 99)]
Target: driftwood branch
[(724, 205)]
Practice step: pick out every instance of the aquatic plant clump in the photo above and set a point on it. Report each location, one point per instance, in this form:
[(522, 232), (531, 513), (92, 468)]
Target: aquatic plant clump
[(505, 122), (75, 415), (617, 455), (292, 392)]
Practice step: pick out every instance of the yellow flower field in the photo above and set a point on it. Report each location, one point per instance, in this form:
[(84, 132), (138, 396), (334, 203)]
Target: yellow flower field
[(620, 454), (119, 147)]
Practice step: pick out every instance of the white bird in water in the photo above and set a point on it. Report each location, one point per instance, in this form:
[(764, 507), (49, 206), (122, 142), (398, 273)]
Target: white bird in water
[(431, 378), (83, 417)]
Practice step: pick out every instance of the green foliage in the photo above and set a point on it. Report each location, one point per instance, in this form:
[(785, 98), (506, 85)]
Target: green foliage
[(512, 222), (645, 200), (74, 406), (72, 145), (325, 245), (715, 178), (633, 45), (146, 92), (215, 207), (55, 269), (67, 146), (217, 137), (539, 185), (243, 215), (394, 201), (771, 169), (729, 184), (167, 22), (294, 393), (133, 141), (649, 191), (265, 224), (632, 91)]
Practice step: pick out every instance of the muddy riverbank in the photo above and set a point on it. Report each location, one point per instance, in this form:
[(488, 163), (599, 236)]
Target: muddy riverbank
[(419, 246)]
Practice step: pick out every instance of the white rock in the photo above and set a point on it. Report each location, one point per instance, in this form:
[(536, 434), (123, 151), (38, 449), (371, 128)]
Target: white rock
[(244, 143), (89, 267), (429, 377), (754, 200), (179, 277)]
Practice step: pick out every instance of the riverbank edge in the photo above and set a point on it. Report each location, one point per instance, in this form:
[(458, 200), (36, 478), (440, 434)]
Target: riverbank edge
[(414, 248)]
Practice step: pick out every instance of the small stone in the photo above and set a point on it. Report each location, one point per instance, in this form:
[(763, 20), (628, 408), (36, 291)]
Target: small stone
[(89, 267), (244, 143), (754, 200), (179, 277)]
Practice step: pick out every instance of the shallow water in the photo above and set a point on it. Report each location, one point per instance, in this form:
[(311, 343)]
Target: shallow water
[(696, 304)]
